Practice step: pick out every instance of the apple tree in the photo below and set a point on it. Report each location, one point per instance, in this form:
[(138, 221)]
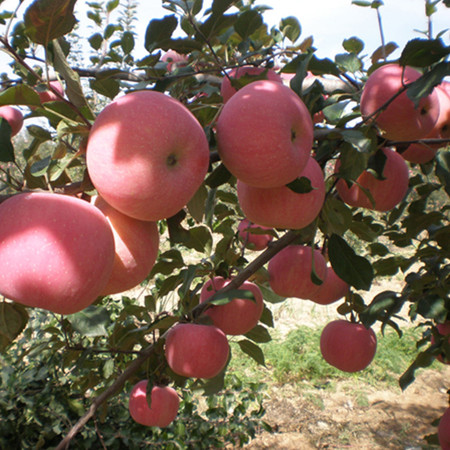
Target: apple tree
[(154, 206)]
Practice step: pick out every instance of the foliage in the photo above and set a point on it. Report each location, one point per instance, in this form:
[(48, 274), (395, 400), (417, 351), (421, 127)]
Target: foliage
[(69, 361)]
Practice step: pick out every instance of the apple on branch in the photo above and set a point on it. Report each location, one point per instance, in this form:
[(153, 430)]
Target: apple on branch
[(13, 116), (252, 239)]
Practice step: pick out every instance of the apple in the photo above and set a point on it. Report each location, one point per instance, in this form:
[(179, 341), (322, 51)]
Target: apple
[(348, 346), (57, 251), (147, 155), (136, 244), (163, 408), (196, 351), (49, 96), (240, 315), (281, 207), (386, 193), (400, 120), (251, 240), (444, 330), (422, 153), (227, 90), (331, 290), (265, 134), (174, 60), (290, 271), (444, 430), (13, 116)]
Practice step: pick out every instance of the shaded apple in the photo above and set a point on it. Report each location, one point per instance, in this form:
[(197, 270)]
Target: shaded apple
[(250, 239), (444, 430), (238, 316), (147, 155), (57, 251), (136, 244), (163, 409), (13, 116), (331, 290), (196, 351), (265, 134), (49, 96), (348, 346)]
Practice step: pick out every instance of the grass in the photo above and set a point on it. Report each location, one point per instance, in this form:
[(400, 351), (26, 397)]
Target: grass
[(297, 359)]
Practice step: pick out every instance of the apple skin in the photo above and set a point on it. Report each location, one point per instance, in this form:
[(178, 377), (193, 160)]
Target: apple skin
[(147, 155), (290, 271), (253, 241), (174, 60), (227, 90), (49, 96), (423, 153), (280, 207), (400, 121), (265, 134), (57, 251), (386, 193), (136, 243), (240, 315), (164, 405), (196, 351), (348, 346), (331, 290), (444, 430), (14, 117), (444, 330)]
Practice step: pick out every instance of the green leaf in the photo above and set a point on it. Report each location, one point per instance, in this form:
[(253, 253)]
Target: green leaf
[(20, 94), (159, 31), (352, 268), (200, 239), (248, 22), (196, 206), (363, 3), (91, 321), (423, 359), (259, 334), (46, 20), (290, 27), (358, 140), (6, 147), (40, 167), (112, 5), (349, 62), (353, 45), (13, 319), (423, 52), (96, 41), (269, 295), (220, 175), (223, 298), (108, 87), (301, 185), (252, 350), (432, 307), (381, 52), (334, 112), (127, 42), (337, 216), (443, 168)]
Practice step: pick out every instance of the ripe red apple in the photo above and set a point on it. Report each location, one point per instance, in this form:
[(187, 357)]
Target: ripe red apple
[(50, 96), (444, 330), (174, 60), (240, 315), (348, 346), (147, 155), (400, 120), (332, 289), (444, 430), (281, 207), (136, 243), (163, 409), (265, 134), (253, 241), (13, 116), (57, 251), (386, 193), (422, 153), (290, 271), (227, 90), (196, 351)]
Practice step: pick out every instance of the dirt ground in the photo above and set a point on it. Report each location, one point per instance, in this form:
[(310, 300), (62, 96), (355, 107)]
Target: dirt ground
[(349, 417)]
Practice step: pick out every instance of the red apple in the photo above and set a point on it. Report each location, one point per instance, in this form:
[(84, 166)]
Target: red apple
[(281, 207), (444, 330), (386, 193), (251, 240), (348, 346), (163, 409), (444, 430), (290, 271), (13, 116), (400, 120), (136, 243), (331, 290), (50, 96), (196, 351), (174, 60), (227, 90), (422, 153), (240, 315), (57, 251), (147, 155), (265, 134)]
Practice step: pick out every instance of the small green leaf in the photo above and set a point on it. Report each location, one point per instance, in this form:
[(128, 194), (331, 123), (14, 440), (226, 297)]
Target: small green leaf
[(290, 27), (96, 41), (108, 87), (248, 22), (336, 215), (259, 334), (220, 175), (196, 206), (91, 321), (159, 31), (6, 147), (443, 168), (423, 52), (353, 45), (223, 298), (20, 94), (301, 185), (349, 62), (13, 319), (252, 350), (127, 42), (269, 295)]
